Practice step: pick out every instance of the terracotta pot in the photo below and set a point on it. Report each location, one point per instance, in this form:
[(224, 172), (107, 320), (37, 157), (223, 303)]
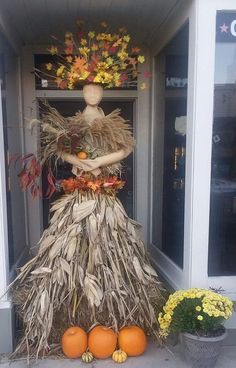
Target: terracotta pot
[(201, 352)]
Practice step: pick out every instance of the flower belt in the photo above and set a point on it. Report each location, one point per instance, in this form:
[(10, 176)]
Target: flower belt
[(104, 184)]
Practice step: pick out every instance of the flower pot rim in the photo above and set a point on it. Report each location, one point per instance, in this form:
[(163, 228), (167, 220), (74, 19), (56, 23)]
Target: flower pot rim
[(205, 338)]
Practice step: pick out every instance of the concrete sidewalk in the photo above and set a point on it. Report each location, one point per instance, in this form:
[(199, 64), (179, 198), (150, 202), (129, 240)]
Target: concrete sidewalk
[(154, 357)]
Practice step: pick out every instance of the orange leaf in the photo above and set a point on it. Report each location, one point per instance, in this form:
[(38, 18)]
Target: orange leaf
[(135, 50), (79, 64)]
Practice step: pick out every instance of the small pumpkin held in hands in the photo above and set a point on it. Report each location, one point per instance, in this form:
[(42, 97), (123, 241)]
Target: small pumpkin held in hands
[(132, 340), (119, 356), (102, 342), (87, 357), (82, 155), (74, 342)]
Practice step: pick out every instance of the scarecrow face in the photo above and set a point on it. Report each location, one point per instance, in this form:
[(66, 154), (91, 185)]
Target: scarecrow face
[(92, 94)]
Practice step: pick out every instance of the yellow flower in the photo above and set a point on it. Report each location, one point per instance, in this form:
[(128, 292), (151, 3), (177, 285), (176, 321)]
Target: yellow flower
[(105, 53), (102, 65), (126, 38), (143, 86), (141, 59), (163, 333), (49, 66), (53, 50), (198, 308), (199, 317), (104, 37), (167, 317), (84, 50), (123, 66), (91, 34), (109, 61), (116, 76), (60, 70), (84, 75), (124, 46), (103, 77), (122, 55), (117, 83), (69, 59), (70, 85), (83, 42)]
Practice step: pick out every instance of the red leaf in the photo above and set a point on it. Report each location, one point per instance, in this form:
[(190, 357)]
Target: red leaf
[(13, 158), (25, 180), (50, 191), (34, 190), (50, 180), (25, 158)]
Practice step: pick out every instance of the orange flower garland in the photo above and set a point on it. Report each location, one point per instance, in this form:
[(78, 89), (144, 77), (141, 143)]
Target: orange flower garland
[(106, 185)]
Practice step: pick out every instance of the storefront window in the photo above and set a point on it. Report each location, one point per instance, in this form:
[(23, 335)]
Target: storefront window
[(222, 231), (12, 147)]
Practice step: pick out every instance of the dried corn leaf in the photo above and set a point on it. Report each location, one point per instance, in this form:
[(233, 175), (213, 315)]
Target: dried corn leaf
[(92, 227), (71, 247), (65, 266), (138, 268), (82, 210), (41, 270)]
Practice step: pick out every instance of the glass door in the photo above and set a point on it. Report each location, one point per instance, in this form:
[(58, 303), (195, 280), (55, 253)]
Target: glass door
[(170, 151)]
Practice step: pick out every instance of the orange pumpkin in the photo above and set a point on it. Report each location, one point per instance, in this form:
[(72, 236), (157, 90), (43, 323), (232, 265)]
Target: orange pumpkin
[(82, 155), (132, 340), (102, 342), (74, 342)]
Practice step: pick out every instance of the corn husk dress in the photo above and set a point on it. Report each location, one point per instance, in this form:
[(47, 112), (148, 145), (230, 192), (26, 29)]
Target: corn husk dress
[(91, 265)]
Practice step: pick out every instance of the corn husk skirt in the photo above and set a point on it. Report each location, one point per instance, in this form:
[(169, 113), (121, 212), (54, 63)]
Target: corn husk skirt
[(90, 268)]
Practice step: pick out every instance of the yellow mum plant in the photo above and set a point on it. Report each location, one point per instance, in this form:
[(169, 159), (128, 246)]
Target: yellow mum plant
[(196, 311), (103, 57)]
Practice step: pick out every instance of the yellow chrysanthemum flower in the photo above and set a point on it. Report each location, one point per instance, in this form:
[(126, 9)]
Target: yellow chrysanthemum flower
[(122, 55), (83, 41), (53, 50), (84, 50), (105, 54), (69, 59), (143, 86), (60, 70), (199, 317), (84, 75), (109, 61), (141, 59), (126, 38), (91, 34), (49, 66)]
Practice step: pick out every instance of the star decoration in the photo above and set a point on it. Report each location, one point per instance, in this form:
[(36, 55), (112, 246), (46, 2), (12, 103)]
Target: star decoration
[(224, 28)]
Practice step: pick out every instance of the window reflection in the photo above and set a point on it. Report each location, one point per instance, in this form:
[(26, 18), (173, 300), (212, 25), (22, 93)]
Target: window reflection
[(222, 231)]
